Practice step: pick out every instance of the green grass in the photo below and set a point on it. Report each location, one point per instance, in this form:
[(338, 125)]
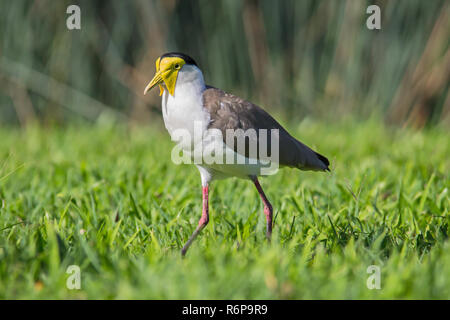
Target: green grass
[(110, 200)]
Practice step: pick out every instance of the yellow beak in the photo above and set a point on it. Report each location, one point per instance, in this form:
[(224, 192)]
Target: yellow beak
[(157, 80), (167, 74)]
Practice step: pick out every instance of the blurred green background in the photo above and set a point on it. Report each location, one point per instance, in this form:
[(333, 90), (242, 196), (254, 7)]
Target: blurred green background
[(294, 58), (106, 197)]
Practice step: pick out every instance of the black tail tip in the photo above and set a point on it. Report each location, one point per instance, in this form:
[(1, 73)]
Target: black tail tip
[(324, 160)]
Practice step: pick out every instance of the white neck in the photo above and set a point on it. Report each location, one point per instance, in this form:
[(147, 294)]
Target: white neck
[(189, 82), (185, 107)]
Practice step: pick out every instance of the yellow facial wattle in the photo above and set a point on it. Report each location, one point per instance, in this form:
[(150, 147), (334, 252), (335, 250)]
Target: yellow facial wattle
[(167, 73), (161, 89)]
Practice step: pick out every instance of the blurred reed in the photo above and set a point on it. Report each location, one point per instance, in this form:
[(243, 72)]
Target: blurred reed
[(296, 58)]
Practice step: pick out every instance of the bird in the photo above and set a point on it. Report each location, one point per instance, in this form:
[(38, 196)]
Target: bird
[(189, 106)]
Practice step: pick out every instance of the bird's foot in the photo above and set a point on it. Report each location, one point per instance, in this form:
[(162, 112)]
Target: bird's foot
[(269, 235)]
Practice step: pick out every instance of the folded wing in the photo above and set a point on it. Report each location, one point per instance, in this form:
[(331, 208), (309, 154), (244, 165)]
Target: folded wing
[(228, 111)]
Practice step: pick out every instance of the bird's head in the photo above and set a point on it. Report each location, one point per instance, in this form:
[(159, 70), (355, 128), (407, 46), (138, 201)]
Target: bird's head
[(167, 68)]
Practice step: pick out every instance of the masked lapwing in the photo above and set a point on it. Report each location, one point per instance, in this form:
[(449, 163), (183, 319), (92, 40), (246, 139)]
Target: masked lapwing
[(199, 116)]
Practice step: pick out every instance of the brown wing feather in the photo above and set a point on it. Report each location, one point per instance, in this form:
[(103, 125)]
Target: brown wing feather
[(231, 112)]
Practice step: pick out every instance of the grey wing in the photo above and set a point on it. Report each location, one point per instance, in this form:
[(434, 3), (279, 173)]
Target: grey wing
[(243, 119)]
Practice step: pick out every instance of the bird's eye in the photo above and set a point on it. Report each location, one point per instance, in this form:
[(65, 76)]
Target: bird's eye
[(177, 66)]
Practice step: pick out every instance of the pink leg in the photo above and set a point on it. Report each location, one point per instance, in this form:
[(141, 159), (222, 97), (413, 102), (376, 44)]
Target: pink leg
[(201, 223), (268, 211)]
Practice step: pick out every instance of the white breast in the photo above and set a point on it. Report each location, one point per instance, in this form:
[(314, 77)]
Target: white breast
[(183, 112)]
